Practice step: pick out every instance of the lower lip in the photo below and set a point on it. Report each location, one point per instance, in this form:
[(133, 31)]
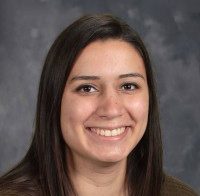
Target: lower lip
[(108, 138)]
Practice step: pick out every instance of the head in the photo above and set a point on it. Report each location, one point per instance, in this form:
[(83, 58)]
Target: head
[(64, 60), (104, 108)]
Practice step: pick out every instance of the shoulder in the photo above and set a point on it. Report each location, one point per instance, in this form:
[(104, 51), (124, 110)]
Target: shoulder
[(13, 185), (18, 189), (174, 187), (22, 180)]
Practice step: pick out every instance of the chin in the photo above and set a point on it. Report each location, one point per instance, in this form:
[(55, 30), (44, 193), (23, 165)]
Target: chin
[(112, 157)]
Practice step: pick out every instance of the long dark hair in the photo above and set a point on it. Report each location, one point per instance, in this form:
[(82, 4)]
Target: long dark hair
[(43, 170)]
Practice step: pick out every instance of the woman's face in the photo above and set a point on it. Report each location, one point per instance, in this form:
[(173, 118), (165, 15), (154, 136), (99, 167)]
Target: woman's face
[(104, 109)]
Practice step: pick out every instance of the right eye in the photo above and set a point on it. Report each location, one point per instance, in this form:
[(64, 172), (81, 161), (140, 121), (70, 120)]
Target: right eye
[(86, 88)]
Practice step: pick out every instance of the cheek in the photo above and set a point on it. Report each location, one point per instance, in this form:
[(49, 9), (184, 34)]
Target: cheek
[(139, 107), (75, 110)]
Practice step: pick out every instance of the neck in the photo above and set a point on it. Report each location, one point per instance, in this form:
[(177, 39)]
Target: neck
[(94, 178)]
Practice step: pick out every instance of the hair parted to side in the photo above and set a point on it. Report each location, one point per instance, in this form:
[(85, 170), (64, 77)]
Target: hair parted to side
[(43, 171)]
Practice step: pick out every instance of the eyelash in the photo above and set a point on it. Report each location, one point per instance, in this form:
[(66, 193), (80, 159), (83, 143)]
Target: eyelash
[(81, 88), (85, 88)]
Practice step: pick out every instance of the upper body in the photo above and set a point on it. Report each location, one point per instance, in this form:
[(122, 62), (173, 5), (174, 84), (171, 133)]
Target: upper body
[(97, 129), (171, 187)]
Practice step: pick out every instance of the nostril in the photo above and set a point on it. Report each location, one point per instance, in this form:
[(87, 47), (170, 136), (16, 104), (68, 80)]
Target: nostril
[(110, 111)]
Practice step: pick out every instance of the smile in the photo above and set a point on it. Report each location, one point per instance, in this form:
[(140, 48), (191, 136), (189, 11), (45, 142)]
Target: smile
[(108, 132)]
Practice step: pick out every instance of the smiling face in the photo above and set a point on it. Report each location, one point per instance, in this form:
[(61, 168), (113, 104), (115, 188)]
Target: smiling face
[(104, 109)]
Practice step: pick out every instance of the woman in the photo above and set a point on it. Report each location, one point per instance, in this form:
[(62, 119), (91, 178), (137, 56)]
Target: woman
[(97, 129)]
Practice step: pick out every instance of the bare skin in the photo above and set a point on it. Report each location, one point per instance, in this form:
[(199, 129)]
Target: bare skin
[(104, 113), (93, 179)]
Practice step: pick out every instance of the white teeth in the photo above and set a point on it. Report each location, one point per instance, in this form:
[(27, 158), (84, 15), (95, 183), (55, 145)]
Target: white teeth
[(114, 132), (102, 132), (107, 132)]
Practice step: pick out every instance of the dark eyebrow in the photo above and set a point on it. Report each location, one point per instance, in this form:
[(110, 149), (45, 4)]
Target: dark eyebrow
[(132, 75), (98, 77), (85, 78)]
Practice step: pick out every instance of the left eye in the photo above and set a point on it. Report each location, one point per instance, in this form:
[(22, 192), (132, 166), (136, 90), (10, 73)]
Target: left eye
[(129, 86)]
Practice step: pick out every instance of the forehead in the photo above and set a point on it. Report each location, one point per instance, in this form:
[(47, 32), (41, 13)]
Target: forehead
[(107, 58)]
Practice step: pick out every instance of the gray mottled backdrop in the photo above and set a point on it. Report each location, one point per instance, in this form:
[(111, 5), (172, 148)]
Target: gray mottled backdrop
[(171, 30)]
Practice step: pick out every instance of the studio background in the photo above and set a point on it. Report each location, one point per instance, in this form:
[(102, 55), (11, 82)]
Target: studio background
[(170, 30)]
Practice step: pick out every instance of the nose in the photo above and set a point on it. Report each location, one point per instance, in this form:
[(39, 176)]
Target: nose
[(110, 106)]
